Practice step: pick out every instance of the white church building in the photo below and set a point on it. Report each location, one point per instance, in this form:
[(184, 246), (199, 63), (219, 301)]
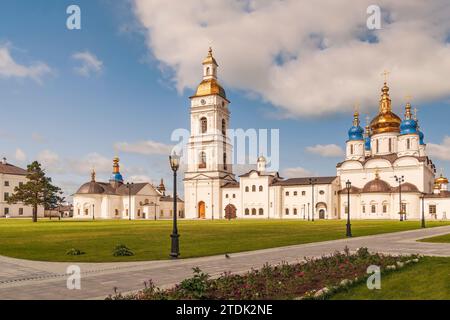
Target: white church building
[(386, 164), (118, 200)]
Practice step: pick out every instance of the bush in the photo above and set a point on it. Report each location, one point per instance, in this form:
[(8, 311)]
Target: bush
[(122, 250), (74, 252)]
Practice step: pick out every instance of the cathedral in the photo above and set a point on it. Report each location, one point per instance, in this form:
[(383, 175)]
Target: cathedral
[(386, 173)]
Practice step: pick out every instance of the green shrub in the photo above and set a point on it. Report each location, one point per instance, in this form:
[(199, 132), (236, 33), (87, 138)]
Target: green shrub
[(122, 250), (74, 252)]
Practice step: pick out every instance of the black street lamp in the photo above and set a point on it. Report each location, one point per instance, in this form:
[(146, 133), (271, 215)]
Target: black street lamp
[(129, 186), (423, 210), (348, 185), (311, 182), (174, 160), (93, 211), (400, 180)]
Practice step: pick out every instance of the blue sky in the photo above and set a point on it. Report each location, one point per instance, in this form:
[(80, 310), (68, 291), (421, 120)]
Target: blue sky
[(71, 120)]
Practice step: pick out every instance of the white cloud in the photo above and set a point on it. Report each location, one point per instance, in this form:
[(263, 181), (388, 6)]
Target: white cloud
[(37, 137), (307, 58), (20, 155), (440, 151), (297, 172), (148, 147), (9, 68), (329, 150), (89, 63), (49, 160)]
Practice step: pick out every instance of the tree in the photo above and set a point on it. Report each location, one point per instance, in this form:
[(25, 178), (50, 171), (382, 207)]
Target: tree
[(38, 191)]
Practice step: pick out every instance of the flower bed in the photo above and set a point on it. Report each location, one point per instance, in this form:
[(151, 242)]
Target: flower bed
[(310, 279)]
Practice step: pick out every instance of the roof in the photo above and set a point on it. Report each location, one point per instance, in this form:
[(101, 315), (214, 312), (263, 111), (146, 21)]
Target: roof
[(442, 194), (95, 187), (377, 185), (231, 185), (353, 190), (305, 181), (169, 199), (7, 168), (406, 187), (261, 174)]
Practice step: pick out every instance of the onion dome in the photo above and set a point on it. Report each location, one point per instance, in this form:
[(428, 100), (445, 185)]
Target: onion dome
[(377, 185), (408, 125), (116, 176), (355, 132), (441, 180), (386, 120), (421, 137)]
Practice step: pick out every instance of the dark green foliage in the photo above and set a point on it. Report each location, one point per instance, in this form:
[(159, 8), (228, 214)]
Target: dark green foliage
[(74, 252), (122, 250)]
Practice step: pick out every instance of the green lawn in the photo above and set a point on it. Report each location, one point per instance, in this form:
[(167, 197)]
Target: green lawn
[(441, 239), (427, 280), (50, 240)]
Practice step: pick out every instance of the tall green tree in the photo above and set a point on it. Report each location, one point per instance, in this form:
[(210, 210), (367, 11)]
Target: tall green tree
[(37, 191)]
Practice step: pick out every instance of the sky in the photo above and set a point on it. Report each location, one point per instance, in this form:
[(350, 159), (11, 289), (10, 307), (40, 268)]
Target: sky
[(74, 99)]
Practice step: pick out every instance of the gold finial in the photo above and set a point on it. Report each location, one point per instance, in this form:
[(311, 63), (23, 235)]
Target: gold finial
[(210, 52), (93, 175), (356, 115), (385, 74), (116, 167), (377, 173), (415, 113)]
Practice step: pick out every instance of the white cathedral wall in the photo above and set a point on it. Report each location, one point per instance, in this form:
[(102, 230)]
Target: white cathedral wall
[(209, 192), (232, 196), (255, 199), (85, 206), (387, 143), (442, 209)]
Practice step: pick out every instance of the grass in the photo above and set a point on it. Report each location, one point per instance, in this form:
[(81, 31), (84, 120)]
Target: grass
[(427, 280), (439, 239), (149, 240)]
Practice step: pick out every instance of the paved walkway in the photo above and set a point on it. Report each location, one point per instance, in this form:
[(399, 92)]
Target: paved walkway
[(23, 279)]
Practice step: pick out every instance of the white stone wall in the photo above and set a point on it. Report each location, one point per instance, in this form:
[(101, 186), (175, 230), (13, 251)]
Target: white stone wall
[(14, 210)]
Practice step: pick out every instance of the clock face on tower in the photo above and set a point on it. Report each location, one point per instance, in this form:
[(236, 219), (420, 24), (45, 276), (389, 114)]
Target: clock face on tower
[(203, 102)]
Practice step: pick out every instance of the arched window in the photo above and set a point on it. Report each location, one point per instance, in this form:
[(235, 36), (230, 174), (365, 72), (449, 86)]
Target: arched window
[(260, 188), (253, 188), (253, 212), (208, 71), (202, 160), (286, 211), (224, 127), (226, 195), (377, 146), (261, 211), (225, 161), (408, 144), (373, 208), (384, 208), (295, 211), (247, 212), (204, 124), (139, 212), (246, 189), (116, 212), (351, 149)]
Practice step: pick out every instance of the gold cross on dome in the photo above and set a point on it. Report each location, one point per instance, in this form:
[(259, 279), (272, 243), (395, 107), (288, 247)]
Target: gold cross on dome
[(415, 110), (408, 98), (385, 74)]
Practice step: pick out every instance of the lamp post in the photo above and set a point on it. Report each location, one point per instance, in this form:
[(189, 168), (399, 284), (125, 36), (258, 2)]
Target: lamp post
[(348, 185), (311, 182), (174, 160), (400, 180), (423, 210), (129, 186), (93, 211), (308, 211)]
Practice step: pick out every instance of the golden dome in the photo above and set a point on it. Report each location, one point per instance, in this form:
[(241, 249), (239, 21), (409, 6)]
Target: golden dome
[(386, 120), (441, 180), (210, 86)]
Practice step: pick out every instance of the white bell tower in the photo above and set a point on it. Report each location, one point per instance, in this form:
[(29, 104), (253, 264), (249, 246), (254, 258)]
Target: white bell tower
[(209, 148)]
